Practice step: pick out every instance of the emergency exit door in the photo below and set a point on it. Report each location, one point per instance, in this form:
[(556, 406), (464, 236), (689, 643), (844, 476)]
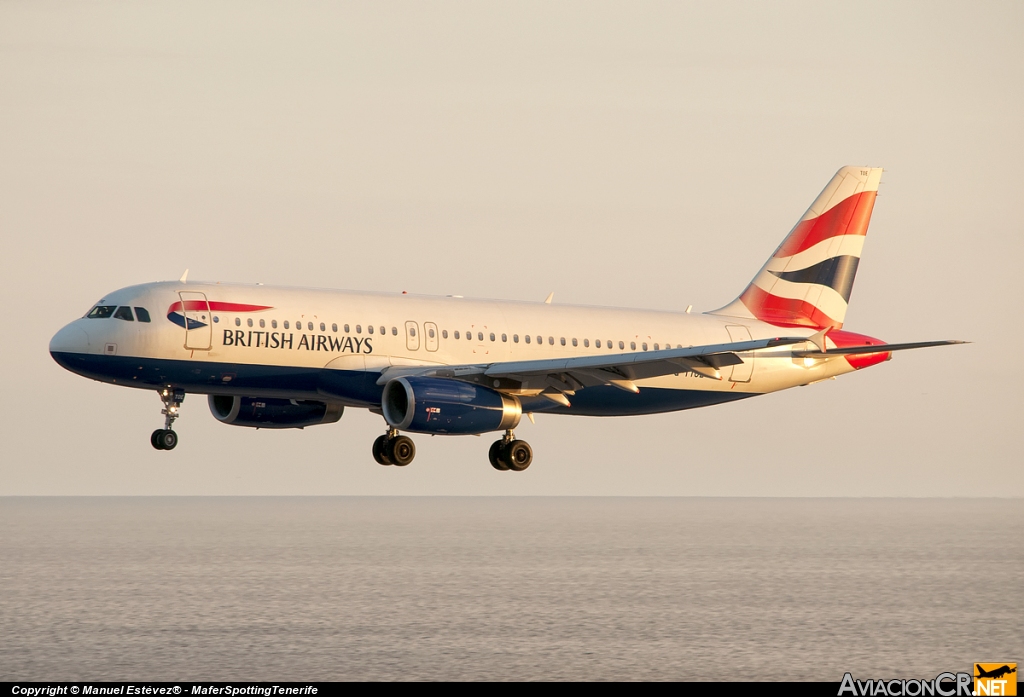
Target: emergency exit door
[(412, 336)]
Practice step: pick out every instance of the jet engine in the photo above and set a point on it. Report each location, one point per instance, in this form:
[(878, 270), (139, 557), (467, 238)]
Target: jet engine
[(442, 405), (260, 412)]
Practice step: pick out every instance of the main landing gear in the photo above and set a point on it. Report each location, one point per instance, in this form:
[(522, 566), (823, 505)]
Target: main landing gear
[(510, 454), (393, 449), (165, 438)]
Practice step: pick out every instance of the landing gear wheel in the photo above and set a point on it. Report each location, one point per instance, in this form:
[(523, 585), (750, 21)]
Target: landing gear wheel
[(518, 455), (165, 439), (380, 450), (496, 455), (401, 450)]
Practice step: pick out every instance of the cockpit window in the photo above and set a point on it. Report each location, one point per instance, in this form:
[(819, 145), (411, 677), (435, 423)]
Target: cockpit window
[(101, 311), (124, 313), (142, 314)]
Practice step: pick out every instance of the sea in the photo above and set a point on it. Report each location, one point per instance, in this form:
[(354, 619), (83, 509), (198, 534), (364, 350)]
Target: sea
[(491, 588)]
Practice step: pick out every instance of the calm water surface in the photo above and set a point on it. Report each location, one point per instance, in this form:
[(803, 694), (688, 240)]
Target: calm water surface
[(506, 588)]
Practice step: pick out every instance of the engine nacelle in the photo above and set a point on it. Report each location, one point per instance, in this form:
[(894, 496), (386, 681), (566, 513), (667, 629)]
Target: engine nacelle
[(259, 412), (441, 405)]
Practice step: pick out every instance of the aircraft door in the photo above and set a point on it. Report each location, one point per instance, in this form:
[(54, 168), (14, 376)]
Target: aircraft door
[(741, 372), (198, 320), (412, 336), (430, 338)]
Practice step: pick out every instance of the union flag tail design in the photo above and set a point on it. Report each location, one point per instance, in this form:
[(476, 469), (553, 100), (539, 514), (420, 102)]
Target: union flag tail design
[(807, 281)]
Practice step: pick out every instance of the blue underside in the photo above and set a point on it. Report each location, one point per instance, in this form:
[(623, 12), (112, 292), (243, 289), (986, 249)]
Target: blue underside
[(356, 388)]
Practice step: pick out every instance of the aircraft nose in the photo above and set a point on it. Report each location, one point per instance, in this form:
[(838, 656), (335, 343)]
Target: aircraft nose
[(71, 339)]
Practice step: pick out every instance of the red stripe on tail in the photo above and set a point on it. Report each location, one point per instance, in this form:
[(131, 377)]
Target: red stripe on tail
[(785, 312), (849, 217)]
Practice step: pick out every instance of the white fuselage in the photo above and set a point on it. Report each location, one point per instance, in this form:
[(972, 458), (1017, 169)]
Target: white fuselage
[(287, 347)]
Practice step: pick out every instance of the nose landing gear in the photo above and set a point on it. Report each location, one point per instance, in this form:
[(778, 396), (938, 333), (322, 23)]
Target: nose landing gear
[(393, 449), (510, 454), (165, 438)]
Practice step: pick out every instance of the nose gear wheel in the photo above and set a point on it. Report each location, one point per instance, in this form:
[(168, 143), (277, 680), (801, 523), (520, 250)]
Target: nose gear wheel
[(165, 438)]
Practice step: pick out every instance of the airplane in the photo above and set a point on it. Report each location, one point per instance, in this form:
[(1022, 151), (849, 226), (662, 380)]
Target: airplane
[(278, 357), (995, 673)]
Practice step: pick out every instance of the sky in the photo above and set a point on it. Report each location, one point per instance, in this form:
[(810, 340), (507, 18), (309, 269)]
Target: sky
[(647, 155)]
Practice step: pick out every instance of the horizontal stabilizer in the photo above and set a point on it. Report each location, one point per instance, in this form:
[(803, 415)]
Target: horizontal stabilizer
[(877, 348)]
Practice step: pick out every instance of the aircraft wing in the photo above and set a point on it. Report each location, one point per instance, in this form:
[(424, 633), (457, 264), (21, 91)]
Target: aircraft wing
[(566, 375)]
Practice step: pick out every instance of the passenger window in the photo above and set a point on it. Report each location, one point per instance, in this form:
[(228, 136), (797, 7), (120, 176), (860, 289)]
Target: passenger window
[(444, 333), (334, 327), (457, 335), (527, 338), (101, 311), (540, 339), (645, 346), (216, 319), (515, 338), (369, 330), (286, 324), (563, 341), (574, 342), (469, 336), (142, 314), (394, 331), (412, 331), (609, 343), (124, 313), (309, 326), (622, 345), (359, 329), (504, 338), (430, 332), (492, 336), (383, 331), (323, 327), (586, 343), (262, 324), (249, 321), (346, 328), (632, 346), (597, 343), (273, 324), (238, 321), (479, 336), (655, 347)]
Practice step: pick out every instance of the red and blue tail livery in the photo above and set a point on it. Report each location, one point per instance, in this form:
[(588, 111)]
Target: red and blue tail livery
[(808, 280), (277, 357)]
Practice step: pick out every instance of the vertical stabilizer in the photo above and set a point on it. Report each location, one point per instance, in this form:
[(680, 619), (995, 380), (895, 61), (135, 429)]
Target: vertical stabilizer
[(808, 280)]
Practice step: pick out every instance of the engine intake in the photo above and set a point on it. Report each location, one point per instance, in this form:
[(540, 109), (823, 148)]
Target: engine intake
[(259, 412), (441, 405)]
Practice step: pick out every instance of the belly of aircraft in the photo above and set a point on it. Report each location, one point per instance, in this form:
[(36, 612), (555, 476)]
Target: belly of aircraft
[(357, 388)]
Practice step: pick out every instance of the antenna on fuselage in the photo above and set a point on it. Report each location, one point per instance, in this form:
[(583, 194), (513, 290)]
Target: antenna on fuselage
[(184, 276), (551, 296)]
